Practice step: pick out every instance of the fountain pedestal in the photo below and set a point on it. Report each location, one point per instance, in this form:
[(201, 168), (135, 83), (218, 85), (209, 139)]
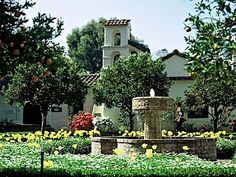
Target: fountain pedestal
[(151, 109)]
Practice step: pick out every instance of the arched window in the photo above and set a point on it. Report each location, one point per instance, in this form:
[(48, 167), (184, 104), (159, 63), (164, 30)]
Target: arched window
[(117, 39)]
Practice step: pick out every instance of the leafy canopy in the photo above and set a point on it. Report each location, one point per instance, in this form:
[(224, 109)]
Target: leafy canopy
[(130, 77), (211, 48), (33, 67), (85, 45), (12, 43)]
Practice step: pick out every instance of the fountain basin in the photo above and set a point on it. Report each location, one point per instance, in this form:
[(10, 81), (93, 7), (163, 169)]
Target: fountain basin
[(202, 147)]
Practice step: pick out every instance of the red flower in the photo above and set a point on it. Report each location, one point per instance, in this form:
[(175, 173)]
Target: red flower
[(83, 121)]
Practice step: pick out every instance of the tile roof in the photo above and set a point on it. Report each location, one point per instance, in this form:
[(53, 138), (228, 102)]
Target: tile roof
[(175, 52), (116, 22), (139, 46), (90, 79)]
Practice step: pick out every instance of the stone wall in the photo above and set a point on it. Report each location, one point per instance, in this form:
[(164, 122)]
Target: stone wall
[(103, 145), (202, 147)]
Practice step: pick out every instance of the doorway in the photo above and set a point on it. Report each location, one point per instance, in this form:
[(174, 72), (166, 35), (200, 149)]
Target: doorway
[(31, 114)]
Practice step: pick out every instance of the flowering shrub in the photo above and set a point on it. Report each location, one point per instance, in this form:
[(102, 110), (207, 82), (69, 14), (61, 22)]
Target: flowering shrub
[(103, 124), (83, 121)]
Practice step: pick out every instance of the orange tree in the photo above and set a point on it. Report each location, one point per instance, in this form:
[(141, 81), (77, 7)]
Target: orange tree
[(12, 43), (45, 86), (211, 46), (33, 67)]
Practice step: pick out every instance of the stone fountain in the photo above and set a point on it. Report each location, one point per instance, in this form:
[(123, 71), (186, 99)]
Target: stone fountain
[(151, 109)]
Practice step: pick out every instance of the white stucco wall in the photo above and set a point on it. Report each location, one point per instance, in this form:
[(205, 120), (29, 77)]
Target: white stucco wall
[(109, 32), (10, 112), (175, 66), (89, 101), (178, 88), (108, 52), (13, 113), (58, 120)]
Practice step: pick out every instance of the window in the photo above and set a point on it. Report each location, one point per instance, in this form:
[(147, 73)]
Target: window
[(117, 39), (198, 114)]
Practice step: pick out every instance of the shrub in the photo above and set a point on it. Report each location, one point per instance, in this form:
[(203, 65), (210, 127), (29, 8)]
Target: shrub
[(225, 148), (83, 121), (103, 124)]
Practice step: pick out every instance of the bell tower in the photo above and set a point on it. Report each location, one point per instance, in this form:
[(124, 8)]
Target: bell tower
[(116, 36)]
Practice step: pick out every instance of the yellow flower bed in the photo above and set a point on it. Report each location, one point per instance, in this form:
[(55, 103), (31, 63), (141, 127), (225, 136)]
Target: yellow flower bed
[(168, 133), (37, 136)]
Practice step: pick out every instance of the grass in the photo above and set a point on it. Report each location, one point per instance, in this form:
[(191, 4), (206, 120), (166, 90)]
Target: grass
[(19, 159)]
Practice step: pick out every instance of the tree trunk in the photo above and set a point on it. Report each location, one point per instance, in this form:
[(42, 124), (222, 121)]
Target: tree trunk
[(44, 112), (215, 120), (131, 121)]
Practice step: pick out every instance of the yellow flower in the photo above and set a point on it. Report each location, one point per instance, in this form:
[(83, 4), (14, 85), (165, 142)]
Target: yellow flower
[(37, 145), (1, 146), (185, 148), (124, 134), (217, 135), (56, 152), (46, 134), (30, 145), (163, 133), (133, 155), (212, 136), (74, 146), (179, 133), (231, 136), (19, 139), (47, 164), (38, 133), (190, 134), (144, 145), (197, 133), (223, 132), (149, 153), (169, 133), (117, 151), (79, 132), (154, 147), (96, 132)]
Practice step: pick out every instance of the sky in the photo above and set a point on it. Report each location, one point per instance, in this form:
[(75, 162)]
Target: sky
[(159, 23)]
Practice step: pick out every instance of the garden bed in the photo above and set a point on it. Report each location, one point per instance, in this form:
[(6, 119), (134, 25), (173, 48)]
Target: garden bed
[(19, 160), (20, 156)]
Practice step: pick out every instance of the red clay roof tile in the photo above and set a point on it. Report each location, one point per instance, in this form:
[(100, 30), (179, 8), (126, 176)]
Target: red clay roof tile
[(117, 22)]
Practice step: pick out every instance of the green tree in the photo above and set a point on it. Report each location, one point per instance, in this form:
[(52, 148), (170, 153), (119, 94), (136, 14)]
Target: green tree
[(11, 44), (85, 45), (210, 49), (130, 77), (37, 71), (41, 86)]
